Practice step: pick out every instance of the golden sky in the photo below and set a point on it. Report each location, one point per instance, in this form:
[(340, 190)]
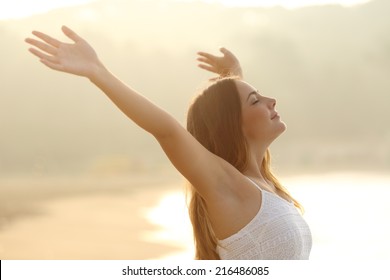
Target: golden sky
[(24, 8)]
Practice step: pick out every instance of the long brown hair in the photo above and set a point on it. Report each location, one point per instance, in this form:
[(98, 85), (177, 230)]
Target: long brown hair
[(214, 119)]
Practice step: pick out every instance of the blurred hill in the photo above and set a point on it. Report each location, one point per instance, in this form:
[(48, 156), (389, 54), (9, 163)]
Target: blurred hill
[(328, 67)]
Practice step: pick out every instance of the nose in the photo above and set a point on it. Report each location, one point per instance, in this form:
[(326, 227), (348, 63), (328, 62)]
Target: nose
[(272, 102)]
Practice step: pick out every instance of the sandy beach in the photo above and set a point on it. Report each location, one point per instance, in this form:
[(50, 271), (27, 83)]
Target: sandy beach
[(82, 218)]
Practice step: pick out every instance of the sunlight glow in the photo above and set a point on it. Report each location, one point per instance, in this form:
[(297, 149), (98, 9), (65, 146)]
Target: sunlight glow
[(23, 8), (289, 4), (329, 201)]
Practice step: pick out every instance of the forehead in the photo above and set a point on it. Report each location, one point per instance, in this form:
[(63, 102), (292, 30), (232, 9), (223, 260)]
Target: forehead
[(244, 89)]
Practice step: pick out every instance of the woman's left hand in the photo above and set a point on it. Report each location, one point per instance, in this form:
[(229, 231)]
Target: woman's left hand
[(226, 65)]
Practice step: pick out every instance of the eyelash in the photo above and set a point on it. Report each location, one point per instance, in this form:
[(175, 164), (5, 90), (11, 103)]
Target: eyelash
[(256, 101)]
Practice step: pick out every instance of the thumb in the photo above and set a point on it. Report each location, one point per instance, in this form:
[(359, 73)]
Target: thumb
[(70, 33), (225, 51)]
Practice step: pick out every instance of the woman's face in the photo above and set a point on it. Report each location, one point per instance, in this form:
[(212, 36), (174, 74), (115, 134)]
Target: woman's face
[(260, 121)]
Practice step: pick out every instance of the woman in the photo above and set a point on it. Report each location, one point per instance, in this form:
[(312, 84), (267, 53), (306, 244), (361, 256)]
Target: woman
[(238, 209)]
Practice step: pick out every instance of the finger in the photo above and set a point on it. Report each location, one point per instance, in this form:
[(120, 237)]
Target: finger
[(204, 60), (47, 39), (44, 47), (54, 66), (225, 51), (207, 67), (71, 34), (208, 55), (43, 56), (214, 79)]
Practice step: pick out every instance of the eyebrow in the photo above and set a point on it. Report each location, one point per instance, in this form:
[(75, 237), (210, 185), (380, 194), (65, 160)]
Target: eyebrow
[(251, 93)]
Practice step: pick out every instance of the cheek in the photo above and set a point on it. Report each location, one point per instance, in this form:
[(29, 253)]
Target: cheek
[(255, 123)]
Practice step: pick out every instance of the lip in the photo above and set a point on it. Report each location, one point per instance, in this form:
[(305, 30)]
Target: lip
[(276, 115)]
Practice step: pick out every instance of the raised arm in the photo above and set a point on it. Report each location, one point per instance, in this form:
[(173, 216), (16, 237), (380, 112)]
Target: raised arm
[(203, 169), (79, 58), (225, 65)]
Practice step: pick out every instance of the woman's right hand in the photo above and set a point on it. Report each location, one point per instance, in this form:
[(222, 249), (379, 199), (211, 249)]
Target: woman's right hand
[(77, 58), (226, 65)]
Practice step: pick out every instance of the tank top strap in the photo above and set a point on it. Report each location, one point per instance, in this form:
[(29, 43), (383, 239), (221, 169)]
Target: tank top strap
[(253, 182), (268, 192)]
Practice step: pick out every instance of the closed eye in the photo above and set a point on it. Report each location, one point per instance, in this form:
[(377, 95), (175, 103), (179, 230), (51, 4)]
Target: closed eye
[(255, 97)]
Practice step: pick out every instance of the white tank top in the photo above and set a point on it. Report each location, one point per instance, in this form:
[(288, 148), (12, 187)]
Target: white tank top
[(277, 232)]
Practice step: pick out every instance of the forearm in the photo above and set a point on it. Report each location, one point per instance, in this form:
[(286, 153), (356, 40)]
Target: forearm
[(80, 59), (139, 109)]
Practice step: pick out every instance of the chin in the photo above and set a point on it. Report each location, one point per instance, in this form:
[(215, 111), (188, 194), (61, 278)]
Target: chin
[(280, 130), (283, 127)]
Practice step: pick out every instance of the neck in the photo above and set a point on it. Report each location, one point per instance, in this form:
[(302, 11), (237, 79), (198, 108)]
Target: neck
[(254, 169)]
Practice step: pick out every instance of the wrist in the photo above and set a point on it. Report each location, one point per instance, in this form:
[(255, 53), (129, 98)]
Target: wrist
[(97, 72), (237, 72)]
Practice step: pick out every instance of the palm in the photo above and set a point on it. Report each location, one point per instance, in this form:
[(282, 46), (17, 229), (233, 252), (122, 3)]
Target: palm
[(224, 64), (227, 64), (77, 58)]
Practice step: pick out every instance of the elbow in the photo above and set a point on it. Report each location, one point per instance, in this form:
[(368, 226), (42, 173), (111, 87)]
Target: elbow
[(168, 131)]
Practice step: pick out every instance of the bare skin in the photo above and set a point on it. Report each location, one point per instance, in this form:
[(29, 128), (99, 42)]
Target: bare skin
[(225, 65), (231, 198)]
